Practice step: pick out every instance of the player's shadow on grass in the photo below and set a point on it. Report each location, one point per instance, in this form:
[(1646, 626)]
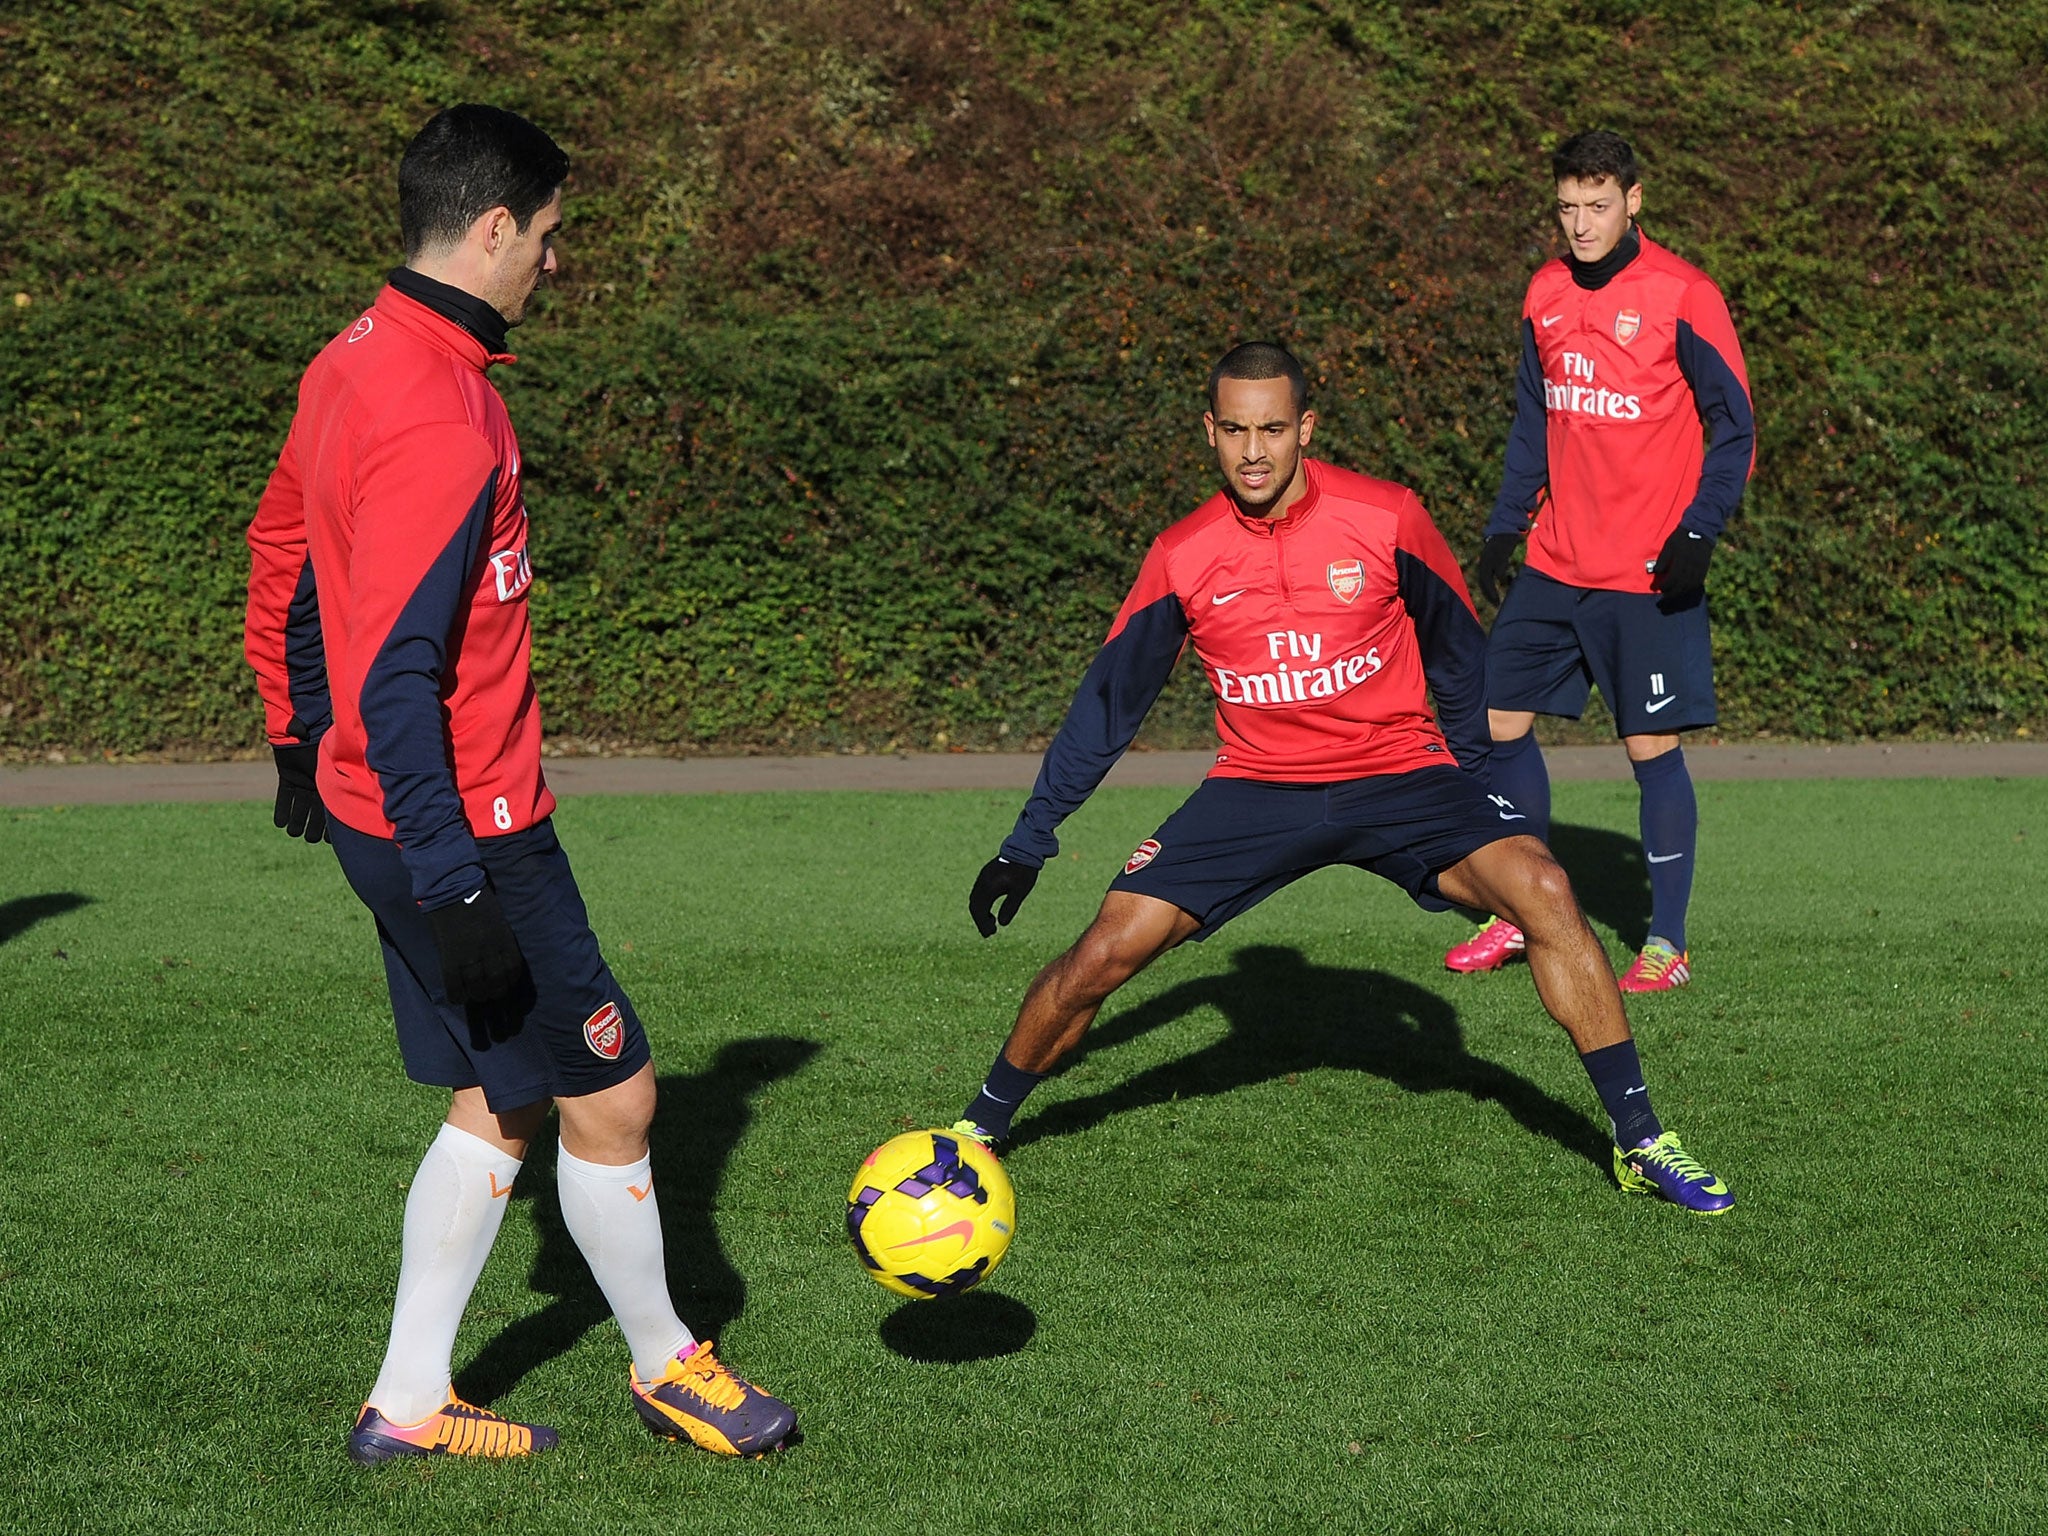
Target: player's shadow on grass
[(24, 912), (1608, 873), (699, 1122), (1287, 1016)]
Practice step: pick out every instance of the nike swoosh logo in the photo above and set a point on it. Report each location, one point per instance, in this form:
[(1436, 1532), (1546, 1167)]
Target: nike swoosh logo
[(1651, 709), (1504, 816), (958, 1229), (470, 899), (1229, 597), (640, 1194), (496, 1192), (1550, 320), (1665, 858), (1634, 1091)]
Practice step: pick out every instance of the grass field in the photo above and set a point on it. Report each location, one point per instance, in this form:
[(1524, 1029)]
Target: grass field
[(1317, 1236)]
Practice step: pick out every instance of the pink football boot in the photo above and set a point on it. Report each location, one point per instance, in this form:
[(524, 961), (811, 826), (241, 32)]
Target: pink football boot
[(1492, 947)]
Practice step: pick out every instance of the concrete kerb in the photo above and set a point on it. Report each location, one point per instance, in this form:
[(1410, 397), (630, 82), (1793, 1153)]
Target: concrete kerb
[(144, 783)]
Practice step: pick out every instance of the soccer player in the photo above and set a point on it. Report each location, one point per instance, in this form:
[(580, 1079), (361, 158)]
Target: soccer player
[(1324, 608), (388, 627), (1632, 442)]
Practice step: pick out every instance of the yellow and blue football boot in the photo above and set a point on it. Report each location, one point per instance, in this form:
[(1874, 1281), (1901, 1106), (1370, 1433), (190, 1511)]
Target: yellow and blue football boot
[(699, 1399), (455, 1429), (1663, 1167)]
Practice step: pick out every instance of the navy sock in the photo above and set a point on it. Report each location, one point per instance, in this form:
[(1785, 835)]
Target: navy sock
[(1618, 1079), (1671, 830), (1000, 1096), (1519, 774)]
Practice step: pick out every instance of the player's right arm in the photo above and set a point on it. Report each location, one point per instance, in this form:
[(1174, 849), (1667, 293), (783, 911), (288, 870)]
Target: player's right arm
[(281, 639), (1524, 476), (1527, 470), (1120, 687)]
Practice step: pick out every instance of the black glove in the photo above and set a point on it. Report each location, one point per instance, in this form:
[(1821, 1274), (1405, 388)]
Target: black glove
[(480, 959), (1492, 573), (1682, 563), (999, 879), (299, 810)]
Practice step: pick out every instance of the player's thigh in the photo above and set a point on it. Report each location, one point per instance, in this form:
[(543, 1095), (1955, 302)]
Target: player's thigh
[(1652, 657), (578, 1012), (1232, 843), (1410, 827), (1516, 877), (1128, 934), (440, 1044), (1533, 661)]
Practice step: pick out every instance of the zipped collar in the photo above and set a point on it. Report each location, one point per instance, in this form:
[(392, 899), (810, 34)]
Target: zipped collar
[(1267, 527), (452, 303), (1593, 275)]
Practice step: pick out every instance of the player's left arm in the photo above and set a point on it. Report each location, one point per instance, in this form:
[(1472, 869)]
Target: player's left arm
[(1710, 357), (1448, 633)]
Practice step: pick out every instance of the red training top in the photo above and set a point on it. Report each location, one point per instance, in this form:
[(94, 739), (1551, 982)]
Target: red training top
[(1618, 386), (1323, 635), (390, 575)]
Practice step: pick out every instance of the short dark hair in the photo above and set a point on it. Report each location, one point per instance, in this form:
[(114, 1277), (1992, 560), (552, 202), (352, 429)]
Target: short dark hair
[(1593, 156), (1261, 360), (467, 161)]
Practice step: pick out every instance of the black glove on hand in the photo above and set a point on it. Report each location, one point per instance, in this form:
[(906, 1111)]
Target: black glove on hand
[(480, 959), (999, 879), (1495, 556), (1682, 563), (299, 810)]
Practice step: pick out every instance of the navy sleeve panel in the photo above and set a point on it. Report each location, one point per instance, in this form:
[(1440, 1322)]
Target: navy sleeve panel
[(405, 742), (1527, 470), (305, 661), (1110, 705), (1731, 432), (1453, 646)]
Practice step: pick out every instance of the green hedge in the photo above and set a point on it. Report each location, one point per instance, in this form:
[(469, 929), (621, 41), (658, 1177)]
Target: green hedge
[(878, 356)]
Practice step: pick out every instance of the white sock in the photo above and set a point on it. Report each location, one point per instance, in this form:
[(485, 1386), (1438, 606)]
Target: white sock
[(452, 1216), (612, 1214)]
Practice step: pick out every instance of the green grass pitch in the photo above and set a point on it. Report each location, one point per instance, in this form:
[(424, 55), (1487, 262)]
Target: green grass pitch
[(1316, 1236)]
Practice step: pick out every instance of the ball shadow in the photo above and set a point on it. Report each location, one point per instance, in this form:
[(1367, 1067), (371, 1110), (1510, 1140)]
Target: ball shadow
[(954, 1330)]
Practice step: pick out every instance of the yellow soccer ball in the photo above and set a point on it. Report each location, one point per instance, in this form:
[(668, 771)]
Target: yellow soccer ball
[(931, 1213)]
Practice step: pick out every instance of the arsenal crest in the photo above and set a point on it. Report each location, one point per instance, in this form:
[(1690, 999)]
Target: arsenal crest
[(1146, 852), (605, 1032), (1347, 579), (1626, 324)]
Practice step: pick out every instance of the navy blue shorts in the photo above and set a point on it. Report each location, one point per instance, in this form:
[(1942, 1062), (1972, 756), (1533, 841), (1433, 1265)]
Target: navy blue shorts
[(569, 1030), (1237, 841), (1648, 653)]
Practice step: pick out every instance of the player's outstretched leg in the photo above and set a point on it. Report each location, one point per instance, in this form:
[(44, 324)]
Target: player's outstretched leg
[(1517, 877), (1128, 934), (452, 1215), (605, 1177)]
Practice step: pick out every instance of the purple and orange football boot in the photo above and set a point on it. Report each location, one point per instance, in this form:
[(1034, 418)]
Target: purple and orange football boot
[(1496, 943), (1663, 1167), (1659, 968), (455, 1429), (699, 1399)]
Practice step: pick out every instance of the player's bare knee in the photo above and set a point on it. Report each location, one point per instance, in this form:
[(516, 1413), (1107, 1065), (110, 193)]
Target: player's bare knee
[(1548, 906)]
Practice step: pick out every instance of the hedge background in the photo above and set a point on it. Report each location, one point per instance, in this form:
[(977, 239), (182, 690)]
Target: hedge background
[(877, 353)]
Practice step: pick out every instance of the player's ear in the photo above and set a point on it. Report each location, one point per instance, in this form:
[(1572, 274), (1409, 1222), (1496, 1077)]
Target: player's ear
[(1635, 199), (1308, 427), (1209, 426)]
